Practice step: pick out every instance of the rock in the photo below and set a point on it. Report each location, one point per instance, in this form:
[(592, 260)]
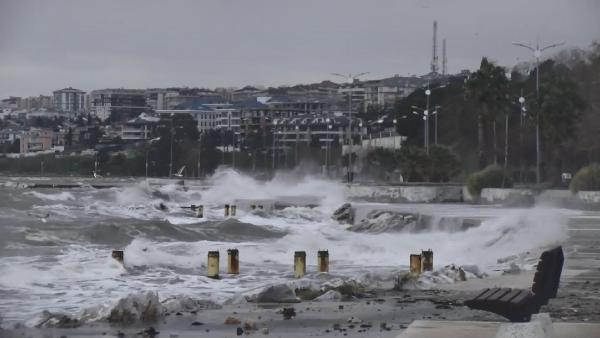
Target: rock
[(198, 323), (239, 331), (250, 325), (232, 321), (288, 312), (328, 296), (378, 221), (354, 320), (280, 293), (149, 332), (138, 306), (264, 330), (344, 214), (182, 303), (57, 320)]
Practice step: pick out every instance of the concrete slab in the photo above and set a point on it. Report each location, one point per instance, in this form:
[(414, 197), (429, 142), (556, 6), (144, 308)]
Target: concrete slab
[(471, 329)]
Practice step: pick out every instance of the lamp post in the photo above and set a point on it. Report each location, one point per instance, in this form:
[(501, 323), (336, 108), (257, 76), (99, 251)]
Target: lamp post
[(350, 79), (171, 150), (394, 136), (274, 136), (296, 152), (537, 53), (147, 151), (425, 116)]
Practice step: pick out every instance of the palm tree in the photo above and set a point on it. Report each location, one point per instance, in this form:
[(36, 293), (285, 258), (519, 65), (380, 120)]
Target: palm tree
[(487, 93)]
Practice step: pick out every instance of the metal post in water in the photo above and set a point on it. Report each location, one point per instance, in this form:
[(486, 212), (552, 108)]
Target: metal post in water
[(213, 265), (323, 260), (226, 210), (233, 261), (415, 264), (427, 260), (119, 256), (299, 264)]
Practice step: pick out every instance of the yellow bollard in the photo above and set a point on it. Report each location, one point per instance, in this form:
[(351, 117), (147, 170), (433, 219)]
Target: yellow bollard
[(299, 264), (233, 210), (226, 210), (415, 264), (233, 261), (427, 260), (213, 264), (200, 211), (118, 255), (323, 260)]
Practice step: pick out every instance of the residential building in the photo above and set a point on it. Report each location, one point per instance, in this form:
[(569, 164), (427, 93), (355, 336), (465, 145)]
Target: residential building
[(36, 139), (118, 104), (12, 103), (69, 100), (9, 135), (208, 113), (140, 128), (38, 102)]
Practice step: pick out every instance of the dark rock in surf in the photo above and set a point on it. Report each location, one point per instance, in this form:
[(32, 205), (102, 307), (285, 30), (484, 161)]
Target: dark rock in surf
[(280, 293), (344, 214)]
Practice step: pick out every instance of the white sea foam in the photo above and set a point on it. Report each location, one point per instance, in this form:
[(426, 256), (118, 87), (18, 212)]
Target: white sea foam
[(61, 196), (80, 276)]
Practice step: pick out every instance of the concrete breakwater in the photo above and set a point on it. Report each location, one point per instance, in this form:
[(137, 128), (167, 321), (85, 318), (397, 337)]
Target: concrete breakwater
[(459, 193), (403, 194)]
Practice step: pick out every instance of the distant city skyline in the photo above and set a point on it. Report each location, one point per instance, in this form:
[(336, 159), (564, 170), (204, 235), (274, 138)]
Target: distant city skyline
[(219, 43)]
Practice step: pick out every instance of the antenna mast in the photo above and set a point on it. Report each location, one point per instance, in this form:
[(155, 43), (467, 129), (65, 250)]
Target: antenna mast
[(444, 59), (434, 59)]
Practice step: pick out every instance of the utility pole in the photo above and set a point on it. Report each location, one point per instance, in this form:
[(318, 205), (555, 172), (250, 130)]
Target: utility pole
[(537, 53), (444, 59), (350, 79)]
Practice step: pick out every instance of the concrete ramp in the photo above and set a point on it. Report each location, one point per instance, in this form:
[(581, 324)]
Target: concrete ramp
[(471, 329)]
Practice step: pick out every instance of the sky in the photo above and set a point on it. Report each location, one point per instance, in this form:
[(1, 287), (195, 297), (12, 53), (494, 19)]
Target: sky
[(86, 44)]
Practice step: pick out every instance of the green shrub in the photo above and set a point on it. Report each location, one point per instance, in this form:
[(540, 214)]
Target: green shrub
[(586, 179), (490, 177)]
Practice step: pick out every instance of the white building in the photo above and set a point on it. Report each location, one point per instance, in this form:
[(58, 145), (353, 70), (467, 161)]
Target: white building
[(69, 100)]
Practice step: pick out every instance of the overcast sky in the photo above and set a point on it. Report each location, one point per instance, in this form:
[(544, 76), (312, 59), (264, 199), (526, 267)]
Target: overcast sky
[(48, 45)]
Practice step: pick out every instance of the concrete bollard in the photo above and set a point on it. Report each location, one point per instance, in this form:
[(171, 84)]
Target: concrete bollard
[(226, 210), (415, 264), (213, 265), (200, 211), (232, 210), (119, 255), (323, 260), (299, 264), (233, 261), (427, 260)]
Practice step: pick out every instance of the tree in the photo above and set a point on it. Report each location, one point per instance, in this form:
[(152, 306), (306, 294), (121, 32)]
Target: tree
[(487, 92)]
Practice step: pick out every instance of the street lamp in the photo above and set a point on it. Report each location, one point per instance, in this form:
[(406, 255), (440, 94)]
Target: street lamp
[(296, 152), (147, 151), (537, 53), (394, 135), (274, 135), (350, 79)]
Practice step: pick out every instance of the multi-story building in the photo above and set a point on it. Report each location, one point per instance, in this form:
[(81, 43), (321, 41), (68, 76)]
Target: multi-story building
[(69, 100), (38, 102), (208, 113), (12, 103), (140, 128), (118, 104), (9, 135), (36, 139)]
